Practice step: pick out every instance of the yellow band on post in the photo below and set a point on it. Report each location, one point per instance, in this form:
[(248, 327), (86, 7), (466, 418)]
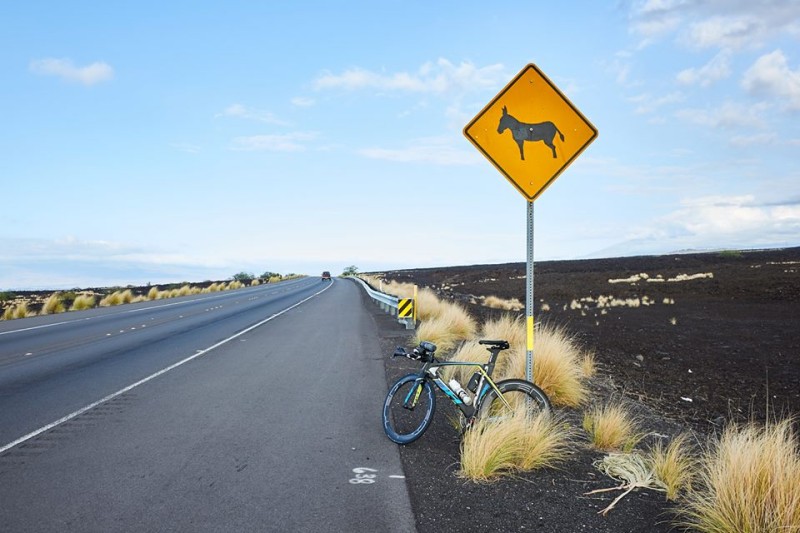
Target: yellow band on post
[(530, 333)]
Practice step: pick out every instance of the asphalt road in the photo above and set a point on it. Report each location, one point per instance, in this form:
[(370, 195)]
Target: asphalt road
[(252, 410)]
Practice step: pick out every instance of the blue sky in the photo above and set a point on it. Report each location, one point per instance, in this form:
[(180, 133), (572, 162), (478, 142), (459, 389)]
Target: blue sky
[(170, 141)]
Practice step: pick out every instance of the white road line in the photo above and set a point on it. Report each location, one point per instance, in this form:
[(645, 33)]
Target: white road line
[(151, 377)]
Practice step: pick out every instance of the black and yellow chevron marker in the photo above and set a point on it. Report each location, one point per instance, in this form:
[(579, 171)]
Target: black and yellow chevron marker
[(405, 308)]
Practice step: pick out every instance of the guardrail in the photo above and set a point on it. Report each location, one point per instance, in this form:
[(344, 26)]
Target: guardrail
[(387, 302)]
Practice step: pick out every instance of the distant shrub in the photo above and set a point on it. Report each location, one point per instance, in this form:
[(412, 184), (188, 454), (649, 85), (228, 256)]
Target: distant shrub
[(6, 296), (153, 293), (730, 253)]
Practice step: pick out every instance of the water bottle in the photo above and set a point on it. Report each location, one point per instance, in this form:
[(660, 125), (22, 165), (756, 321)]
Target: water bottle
[(460, 392)]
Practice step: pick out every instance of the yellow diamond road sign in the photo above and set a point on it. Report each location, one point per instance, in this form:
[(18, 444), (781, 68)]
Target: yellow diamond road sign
[(531, 132)]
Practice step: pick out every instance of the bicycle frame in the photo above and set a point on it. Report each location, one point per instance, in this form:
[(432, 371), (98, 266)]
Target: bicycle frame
[(430, 371)]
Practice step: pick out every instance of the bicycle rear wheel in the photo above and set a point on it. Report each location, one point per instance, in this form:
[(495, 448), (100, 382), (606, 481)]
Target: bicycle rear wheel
[(517, 395), (408, 409)]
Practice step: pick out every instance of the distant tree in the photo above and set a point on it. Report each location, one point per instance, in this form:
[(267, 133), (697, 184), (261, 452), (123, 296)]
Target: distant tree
[(267, 275), (352, 270), (243, 277)]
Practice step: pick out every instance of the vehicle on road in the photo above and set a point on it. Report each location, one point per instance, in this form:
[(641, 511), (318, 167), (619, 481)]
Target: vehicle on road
[(326, 276), (410, 404)]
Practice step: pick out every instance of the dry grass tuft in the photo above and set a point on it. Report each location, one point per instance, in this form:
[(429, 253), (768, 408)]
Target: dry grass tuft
[(429, 306), (153, 293), (471, 352), (82, 302), (507, 328), (492, 448), (749, 482), (674, 465), (54, 304), (452, 325), (117, 298), (588, 364), (495, 302), (557, 366), (611, 427), (17, 311)]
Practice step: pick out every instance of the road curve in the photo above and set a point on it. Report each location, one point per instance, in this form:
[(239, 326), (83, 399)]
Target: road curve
[(259, 415)]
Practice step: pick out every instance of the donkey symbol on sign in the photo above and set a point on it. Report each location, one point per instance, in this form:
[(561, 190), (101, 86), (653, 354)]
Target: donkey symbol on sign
[(522, 131)]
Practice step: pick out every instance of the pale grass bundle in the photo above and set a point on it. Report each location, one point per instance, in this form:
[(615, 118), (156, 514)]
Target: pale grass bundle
[(749, 481), (629, 468)]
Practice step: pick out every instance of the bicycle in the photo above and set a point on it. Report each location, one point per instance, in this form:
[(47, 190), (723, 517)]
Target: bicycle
[(411, 401)]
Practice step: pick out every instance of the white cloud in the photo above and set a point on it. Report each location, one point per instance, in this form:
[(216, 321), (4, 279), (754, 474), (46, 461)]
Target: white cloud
[(724, 24), (188, 148), (441, 77), (743, 141), (249, 113), (647, 103), (64, 69), (729, 115), (720, 222), (727, 32), (771, 76), (288, 142), (434, 150), (717, 69), (301, 101)]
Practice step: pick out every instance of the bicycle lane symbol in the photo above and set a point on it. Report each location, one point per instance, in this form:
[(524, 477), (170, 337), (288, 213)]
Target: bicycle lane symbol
[(368, 476)]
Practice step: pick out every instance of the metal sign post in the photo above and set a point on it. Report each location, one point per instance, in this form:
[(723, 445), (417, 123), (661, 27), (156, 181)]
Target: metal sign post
[(529, 298), (530, 132)]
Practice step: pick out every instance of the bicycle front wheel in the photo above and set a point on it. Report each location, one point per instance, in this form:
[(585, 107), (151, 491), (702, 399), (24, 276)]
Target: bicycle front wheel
[(408, 409), (516, 395)]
